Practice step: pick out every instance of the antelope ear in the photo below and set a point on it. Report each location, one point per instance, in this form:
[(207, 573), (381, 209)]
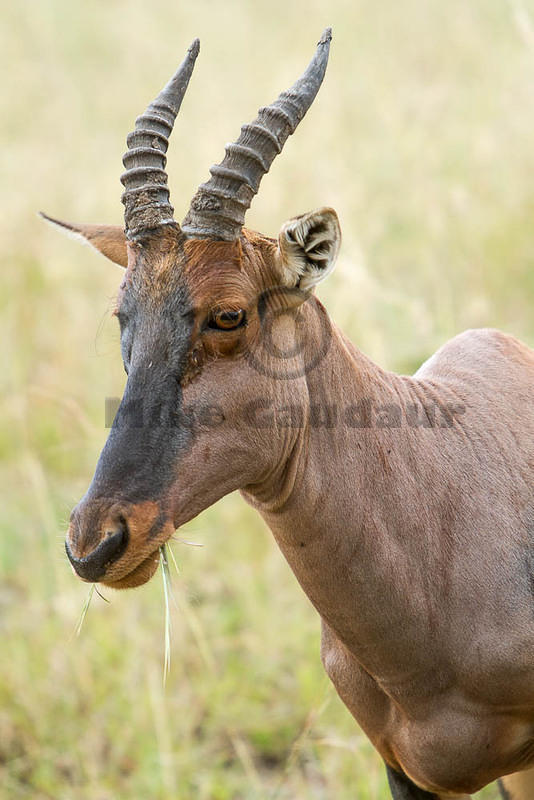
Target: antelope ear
[(308, 246), (109, 240)]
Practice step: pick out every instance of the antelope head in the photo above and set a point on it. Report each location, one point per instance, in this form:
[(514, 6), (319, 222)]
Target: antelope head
[(205, 309)]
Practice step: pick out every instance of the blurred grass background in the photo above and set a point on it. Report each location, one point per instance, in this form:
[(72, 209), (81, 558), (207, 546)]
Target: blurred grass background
[(421, 138)]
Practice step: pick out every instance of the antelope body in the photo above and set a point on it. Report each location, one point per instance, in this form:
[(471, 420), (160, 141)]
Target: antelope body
[(404, 505)]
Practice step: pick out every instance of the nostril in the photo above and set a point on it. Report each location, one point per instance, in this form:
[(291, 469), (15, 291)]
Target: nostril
[(120, 526), (94, 565)]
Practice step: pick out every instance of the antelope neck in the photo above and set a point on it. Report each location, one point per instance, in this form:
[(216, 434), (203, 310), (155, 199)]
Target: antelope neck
[(334, 507)]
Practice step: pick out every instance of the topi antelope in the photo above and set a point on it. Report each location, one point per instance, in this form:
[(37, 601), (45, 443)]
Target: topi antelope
[(404, 505)]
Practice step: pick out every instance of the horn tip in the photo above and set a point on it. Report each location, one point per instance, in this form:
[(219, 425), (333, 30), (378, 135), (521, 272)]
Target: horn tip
[(194, 48), (326, 36)]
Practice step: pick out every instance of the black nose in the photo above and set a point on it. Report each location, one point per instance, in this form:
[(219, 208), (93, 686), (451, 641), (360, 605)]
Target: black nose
[(94, 565)]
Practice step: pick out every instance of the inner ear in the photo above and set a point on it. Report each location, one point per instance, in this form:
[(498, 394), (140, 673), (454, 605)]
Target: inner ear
[(308, 246)]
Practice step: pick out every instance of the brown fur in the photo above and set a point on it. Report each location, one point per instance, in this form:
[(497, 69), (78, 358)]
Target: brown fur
[(410, 528)]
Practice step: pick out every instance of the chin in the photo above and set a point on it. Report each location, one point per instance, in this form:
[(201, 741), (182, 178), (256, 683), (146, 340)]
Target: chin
[(138, 576)]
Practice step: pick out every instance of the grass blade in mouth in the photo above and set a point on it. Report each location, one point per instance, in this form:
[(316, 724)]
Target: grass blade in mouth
[(105, 599), (85, 609), (170, 550), (166, 592)]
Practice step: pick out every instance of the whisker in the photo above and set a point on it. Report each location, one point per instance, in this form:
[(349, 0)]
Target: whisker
[(185, 541)]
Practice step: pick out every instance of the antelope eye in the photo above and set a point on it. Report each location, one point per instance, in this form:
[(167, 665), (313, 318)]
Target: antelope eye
[(226, 320)]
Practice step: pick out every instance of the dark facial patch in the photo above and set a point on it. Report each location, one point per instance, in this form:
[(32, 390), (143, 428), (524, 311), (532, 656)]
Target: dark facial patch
[(148, 433)]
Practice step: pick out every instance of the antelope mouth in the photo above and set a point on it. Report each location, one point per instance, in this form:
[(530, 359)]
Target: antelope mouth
[(129, 540)]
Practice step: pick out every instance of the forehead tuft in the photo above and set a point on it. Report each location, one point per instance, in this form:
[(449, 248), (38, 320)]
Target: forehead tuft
[(155, 267), (222, 273), (203, 253), (229, 274)]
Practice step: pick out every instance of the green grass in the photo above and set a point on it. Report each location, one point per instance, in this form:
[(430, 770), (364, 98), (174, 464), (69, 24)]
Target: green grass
[(422, 140)]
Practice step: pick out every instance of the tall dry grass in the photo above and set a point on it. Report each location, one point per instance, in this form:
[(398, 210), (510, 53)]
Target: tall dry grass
[(421, 138)]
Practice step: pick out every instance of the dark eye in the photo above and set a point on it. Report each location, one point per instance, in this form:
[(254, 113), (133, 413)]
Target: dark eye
[(226, 320)]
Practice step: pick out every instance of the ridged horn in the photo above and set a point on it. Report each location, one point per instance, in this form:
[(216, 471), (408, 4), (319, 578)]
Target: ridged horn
[(146, 195), (218, 208)]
